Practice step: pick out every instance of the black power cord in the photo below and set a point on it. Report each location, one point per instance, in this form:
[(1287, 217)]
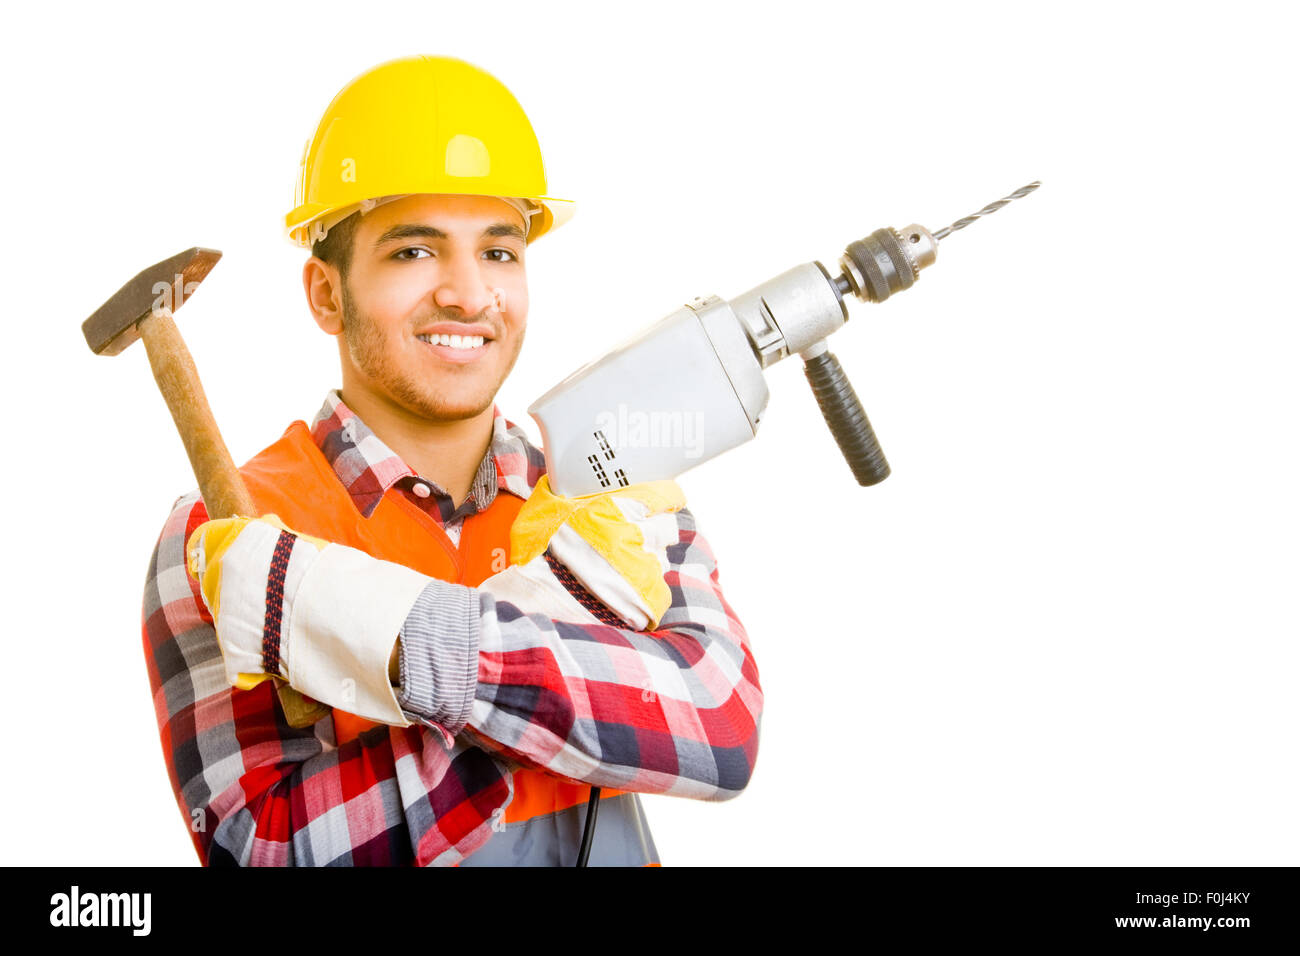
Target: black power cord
[(593, 804)]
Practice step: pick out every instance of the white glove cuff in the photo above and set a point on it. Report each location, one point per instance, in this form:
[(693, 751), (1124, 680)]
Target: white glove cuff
[(534, 589), (347, 615)]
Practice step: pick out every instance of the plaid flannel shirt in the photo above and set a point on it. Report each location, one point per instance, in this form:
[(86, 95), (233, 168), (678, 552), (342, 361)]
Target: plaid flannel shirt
[(675, 710)]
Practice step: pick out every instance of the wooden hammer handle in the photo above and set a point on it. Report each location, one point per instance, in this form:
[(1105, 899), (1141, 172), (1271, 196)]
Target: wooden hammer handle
[(220, 483)]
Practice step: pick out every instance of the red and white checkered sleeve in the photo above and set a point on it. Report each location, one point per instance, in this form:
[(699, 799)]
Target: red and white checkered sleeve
[(675, 710), (254, 791)]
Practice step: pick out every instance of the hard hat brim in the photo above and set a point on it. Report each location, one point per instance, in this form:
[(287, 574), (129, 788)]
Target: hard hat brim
[(555, 212)]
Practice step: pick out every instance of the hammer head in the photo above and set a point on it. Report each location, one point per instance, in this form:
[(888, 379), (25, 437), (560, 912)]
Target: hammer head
[(164, 285)]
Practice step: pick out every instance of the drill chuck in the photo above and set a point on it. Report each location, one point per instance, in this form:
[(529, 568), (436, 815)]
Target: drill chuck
[(887, 261)]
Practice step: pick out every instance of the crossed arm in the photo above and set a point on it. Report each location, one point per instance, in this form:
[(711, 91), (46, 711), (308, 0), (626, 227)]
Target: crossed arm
[(675, 710)]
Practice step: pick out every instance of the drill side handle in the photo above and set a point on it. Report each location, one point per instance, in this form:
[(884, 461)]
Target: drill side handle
[(844, 415)]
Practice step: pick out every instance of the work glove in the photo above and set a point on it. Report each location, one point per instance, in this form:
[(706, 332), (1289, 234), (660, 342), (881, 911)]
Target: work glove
[(322, 616), (614, 542)]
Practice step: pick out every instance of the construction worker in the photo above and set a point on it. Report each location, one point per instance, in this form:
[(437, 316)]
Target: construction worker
[(418, 653)]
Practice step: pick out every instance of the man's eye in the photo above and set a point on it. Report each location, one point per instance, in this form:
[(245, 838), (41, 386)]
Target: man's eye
[(400, 254), (513, 257)]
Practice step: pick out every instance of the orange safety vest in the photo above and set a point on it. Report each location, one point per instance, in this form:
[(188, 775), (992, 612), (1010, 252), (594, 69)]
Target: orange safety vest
[(293, 479)]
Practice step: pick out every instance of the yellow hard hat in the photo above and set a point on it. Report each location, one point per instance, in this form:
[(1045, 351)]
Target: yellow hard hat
[(420, 124)]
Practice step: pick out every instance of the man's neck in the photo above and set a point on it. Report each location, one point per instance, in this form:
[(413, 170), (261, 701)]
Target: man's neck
[(446, 453)]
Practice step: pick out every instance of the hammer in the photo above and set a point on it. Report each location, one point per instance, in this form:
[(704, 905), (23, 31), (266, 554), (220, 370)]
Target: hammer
[(142, 309)]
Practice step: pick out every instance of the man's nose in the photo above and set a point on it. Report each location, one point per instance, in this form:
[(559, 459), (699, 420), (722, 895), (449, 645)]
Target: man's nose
[(462, 283)]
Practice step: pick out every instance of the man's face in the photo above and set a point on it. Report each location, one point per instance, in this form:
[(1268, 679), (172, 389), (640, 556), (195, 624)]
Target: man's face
[(422, 261)]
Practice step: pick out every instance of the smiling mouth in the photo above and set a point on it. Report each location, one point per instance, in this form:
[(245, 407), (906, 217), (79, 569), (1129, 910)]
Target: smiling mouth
[(460, 343), (456, 350)]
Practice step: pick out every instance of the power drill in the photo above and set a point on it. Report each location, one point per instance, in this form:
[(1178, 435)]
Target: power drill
[(617, 421)]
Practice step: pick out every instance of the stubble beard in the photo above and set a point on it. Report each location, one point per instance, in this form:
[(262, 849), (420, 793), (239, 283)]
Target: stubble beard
[(370, 352)]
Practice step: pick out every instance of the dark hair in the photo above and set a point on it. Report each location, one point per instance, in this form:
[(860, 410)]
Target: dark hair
[(336, 247)]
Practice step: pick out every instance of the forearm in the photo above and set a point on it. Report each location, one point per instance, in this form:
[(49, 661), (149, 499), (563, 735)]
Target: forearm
[(258, 792), (674, 710)]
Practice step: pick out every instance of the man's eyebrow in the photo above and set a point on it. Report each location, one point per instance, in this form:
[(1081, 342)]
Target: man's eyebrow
[(420, 231)]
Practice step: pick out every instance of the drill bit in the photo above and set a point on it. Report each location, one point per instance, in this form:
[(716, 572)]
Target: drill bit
[(990, 208)]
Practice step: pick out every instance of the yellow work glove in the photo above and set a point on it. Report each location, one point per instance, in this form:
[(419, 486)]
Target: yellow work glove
[(320, 615), (614, 542)]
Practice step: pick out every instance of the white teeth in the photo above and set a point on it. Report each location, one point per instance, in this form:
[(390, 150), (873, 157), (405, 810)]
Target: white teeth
[(453, 341)]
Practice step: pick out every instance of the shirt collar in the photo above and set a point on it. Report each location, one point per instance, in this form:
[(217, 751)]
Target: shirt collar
[(368, 468)]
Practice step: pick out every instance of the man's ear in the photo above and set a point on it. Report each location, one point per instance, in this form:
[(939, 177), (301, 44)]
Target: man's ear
[(324, 288)]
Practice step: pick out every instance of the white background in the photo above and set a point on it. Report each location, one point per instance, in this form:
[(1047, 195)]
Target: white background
[(1064, 630)]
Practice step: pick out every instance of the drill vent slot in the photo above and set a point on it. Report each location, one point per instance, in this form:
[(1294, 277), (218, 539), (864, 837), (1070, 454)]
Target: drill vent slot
[(598, 467)]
